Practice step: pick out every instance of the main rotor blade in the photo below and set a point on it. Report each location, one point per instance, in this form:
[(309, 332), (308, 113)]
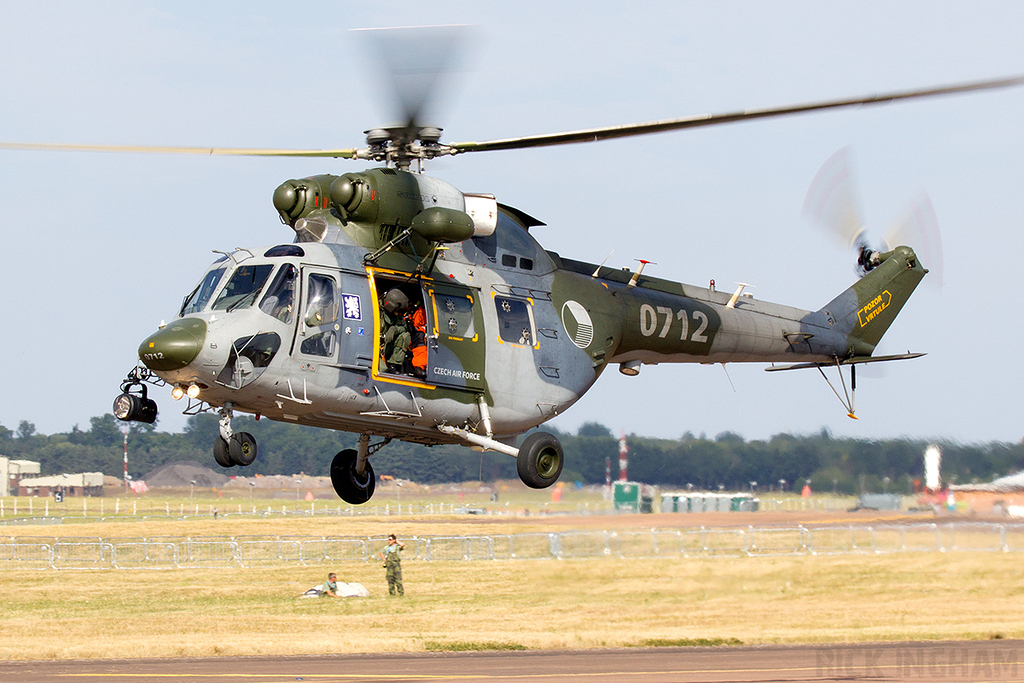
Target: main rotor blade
[(209, 151), (571, 137), (595, 134)]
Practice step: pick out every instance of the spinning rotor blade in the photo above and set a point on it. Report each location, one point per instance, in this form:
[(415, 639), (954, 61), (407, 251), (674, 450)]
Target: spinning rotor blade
[(594, 134), (414, 59), (413, 98), (833, 200), (919, 229), (209, 151), (833, 203)]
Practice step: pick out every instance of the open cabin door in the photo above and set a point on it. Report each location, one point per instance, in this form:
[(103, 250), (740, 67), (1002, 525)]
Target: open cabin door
[(440, 321)]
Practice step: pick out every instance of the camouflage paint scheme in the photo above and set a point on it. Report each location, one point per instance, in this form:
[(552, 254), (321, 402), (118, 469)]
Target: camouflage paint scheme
[(526, 330)]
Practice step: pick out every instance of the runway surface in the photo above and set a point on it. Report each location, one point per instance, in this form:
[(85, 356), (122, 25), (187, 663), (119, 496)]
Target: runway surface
[(991, 660)]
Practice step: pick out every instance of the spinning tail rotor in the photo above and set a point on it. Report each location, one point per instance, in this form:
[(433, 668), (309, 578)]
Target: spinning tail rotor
[(833, 202)]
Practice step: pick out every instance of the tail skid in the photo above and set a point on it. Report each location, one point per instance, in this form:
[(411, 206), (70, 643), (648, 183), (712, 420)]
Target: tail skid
[(848, 399)]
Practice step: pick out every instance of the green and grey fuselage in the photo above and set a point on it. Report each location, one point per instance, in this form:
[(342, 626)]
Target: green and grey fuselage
[(515, 334)]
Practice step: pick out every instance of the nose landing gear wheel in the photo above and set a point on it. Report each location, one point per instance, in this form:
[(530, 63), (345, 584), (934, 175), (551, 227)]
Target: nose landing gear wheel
[(349, 486), (220, 453), (242, 448), (540, 460)]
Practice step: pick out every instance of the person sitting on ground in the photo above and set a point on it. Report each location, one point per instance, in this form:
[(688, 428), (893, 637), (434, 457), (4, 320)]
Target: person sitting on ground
[(329, 589)]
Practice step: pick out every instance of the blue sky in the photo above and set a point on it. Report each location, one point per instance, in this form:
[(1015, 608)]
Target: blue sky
[(100, 247)]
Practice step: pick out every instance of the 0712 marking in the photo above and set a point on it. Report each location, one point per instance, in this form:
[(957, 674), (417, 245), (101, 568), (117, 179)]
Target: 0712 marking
[(649, 316)]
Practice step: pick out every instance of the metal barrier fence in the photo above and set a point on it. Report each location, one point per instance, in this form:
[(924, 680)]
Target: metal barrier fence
[(41, 513), (172, 552)]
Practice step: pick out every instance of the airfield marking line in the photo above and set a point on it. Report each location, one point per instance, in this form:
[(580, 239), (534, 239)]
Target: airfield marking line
[(620, 675), (269, 677), (860, 521), (443, 677)]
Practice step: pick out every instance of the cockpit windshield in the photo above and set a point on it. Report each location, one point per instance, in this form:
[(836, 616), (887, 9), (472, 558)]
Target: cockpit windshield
[(200, 296), (243, 287), (281, 295)]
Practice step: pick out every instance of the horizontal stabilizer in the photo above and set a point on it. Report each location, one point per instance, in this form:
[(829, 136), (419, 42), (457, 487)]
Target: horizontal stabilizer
[(856, 360)]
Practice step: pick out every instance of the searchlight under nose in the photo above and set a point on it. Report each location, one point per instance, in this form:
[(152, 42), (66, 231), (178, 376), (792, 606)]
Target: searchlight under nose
[(174, 346)]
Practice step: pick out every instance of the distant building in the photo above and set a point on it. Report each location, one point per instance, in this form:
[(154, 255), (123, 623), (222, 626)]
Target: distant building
[(85, 484), (1003, 496), (11, 472)]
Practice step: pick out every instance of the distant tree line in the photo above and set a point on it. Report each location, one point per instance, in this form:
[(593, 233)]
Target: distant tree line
[(845, 466)]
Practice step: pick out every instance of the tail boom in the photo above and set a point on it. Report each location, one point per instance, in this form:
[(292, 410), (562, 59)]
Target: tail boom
[(701, 326)]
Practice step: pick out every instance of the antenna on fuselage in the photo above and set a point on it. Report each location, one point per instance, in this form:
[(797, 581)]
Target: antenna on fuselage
[(598, 269), (636, 276)]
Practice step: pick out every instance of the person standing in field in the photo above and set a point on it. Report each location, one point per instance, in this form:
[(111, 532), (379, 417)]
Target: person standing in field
[(393, 564)]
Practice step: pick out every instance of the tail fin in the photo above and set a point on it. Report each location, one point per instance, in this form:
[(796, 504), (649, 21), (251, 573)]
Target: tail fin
[(865, 310)]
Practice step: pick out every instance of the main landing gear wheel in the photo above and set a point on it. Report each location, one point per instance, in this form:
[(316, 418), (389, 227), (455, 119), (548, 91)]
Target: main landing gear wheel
[(240, 449), (349, 486), (540, 460)]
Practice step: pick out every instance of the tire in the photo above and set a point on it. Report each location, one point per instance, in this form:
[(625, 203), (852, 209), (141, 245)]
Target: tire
[(540, 460), (220, 452), (242, 448), (349, 486)]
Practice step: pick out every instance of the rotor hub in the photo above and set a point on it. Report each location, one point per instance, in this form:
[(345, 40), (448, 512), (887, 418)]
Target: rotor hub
[(400, 145)]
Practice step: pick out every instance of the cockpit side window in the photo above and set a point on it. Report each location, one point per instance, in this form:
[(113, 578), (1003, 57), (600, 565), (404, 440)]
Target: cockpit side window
[(320, 317), (200, 296), (280, 298), (322, 308), (243, 287)]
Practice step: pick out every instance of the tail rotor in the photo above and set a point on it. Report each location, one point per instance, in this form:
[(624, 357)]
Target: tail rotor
[(833, 203)]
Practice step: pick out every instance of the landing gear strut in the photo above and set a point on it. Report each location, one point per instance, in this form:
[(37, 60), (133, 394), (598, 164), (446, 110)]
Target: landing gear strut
[(539, 459), (231, 448)]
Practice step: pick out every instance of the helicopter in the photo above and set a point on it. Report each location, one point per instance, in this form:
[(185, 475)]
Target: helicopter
[(402, 307)]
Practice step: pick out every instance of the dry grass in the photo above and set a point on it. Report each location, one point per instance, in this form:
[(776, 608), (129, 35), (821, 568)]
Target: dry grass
[(496, 605)]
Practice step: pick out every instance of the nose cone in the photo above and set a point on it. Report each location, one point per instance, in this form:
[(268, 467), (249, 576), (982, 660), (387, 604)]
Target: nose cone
[(174, 346)]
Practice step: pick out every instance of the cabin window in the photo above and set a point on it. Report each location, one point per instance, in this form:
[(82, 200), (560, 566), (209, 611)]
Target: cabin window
[(526, 263), (243, 287), (508, 260), (515, 321), (454, 315)]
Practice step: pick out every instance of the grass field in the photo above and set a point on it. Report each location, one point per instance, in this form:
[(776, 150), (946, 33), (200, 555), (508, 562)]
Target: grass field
[(492, 605)]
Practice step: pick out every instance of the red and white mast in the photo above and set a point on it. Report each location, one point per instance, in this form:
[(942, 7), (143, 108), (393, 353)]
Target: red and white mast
[(126, 461), (623, 457)]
